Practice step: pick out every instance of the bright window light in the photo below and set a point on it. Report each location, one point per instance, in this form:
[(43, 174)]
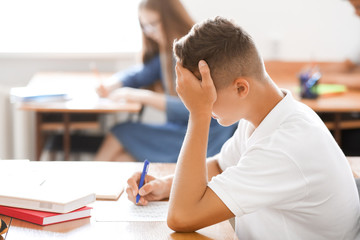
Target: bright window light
[(69, 26)]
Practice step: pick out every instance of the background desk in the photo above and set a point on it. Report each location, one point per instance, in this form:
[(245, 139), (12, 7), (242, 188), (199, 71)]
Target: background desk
[(81, 87), (90, 229), (285, 74), (337, 105)]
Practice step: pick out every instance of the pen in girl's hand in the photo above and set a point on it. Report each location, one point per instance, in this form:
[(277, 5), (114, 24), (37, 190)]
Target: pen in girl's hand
[(96, 72)]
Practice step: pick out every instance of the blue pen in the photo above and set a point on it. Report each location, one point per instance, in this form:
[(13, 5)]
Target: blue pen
[(142, 178)]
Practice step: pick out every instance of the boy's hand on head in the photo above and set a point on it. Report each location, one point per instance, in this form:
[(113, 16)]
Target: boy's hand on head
[(197, 95)]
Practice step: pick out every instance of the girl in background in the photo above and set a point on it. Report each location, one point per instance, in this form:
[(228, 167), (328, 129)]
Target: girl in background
[(161, 21)]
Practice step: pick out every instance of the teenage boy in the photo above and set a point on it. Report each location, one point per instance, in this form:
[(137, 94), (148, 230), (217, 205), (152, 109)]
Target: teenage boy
[(281, 175)]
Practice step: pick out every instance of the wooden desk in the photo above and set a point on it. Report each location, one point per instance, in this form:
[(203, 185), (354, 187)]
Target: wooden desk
[(338, 105), (81, 87), (90, 229)]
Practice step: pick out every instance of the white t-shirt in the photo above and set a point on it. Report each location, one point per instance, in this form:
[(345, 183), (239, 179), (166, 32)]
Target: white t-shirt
[(288, 179)]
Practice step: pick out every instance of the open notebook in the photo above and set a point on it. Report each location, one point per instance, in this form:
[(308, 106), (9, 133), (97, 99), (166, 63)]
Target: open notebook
[(125, 211), (105, 179)]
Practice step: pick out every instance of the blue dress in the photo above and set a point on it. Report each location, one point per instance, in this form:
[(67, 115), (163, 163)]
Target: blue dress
[(161, 142)]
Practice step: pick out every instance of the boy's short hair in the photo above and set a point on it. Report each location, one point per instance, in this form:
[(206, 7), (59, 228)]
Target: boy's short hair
[(229, 51)]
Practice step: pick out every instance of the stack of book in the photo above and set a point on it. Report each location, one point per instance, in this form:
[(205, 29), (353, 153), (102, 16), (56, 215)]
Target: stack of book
[(44, 218), (45, 206)]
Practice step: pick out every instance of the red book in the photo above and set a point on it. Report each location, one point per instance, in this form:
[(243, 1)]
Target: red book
[(44, 218)]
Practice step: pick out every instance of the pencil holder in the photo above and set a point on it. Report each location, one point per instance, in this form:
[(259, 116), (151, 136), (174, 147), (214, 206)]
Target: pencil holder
[(309, 80)]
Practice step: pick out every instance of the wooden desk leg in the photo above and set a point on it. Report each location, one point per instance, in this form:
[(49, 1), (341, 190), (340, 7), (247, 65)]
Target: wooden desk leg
[(66, 140), (39, 136), (337, 128)]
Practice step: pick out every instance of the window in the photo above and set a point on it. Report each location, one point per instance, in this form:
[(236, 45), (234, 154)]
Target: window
[(69, 26)]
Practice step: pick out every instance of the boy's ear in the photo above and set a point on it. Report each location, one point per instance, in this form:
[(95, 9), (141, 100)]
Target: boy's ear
[(241, 86)]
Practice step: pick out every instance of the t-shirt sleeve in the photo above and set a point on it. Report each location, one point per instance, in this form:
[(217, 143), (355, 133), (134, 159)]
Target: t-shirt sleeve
[(262, 178)]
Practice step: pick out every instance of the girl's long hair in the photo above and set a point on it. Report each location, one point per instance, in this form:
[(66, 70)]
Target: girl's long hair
[(176, 22)]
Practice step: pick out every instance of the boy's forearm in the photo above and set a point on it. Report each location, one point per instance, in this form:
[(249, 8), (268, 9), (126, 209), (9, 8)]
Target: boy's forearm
[(190, 180), (213, 167), (168, 180)]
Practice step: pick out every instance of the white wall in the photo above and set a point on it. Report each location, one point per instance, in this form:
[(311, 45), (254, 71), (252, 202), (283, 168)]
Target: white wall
[(307, 30), (18, 68), (5, 124)]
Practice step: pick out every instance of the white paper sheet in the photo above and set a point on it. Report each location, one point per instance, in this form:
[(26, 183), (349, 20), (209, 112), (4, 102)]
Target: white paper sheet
[(126, 211)]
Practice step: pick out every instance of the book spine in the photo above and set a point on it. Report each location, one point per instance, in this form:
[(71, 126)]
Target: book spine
[(22, 216)]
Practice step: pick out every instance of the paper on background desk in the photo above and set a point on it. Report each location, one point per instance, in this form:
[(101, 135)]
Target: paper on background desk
[(126, 211)]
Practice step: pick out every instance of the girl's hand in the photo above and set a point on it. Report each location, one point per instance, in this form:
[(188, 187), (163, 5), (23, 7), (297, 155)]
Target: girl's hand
[(102, 90), (129, 95), (105, 88)]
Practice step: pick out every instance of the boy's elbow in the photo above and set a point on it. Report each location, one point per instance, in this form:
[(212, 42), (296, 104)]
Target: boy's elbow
[(180, 222)]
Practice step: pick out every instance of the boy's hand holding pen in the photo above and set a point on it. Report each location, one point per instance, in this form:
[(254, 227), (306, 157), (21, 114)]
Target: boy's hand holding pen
[(153, 189)]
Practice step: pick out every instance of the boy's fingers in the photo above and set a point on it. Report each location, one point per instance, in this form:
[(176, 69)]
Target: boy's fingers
[(144, 202), (146, 189), (129, 192), (205, 72), (132, 182), (178, 70), (181, 71)]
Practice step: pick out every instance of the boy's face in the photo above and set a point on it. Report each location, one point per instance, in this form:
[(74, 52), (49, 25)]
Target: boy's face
[(225, 109)]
